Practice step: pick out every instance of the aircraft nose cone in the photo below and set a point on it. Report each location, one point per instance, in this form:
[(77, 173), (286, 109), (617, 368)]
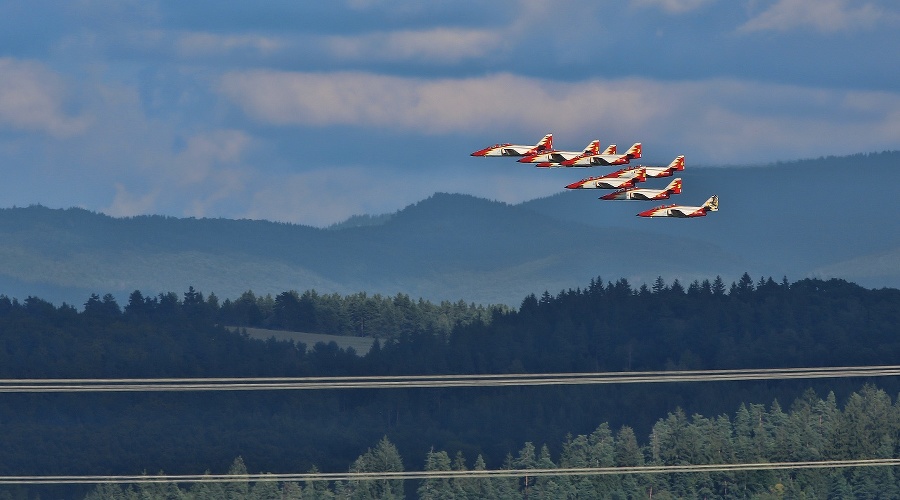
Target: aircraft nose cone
[(575, 185)]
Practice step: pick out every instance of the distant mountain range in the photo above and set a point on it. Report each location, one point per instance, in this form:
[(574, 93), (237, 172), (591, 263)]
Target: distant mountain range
[(828, 217)]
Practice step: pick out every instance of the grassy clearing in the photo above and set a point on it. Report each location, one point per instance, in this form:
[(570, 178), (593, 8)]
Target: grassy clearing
[(359, 344)]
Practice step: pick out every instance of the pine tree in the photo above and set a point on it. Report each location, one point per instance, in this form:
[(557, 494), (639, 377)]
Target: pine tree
[(265, 490), (506, 488), (436, 489), (383, 458), (481, 487), (211, 490), (316, 490), (237, 490)]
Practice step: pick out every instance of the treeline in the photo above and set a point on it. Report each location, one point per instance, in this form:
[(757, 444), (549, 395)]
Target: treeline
[(813, 429), (358, 314), (606, 326)]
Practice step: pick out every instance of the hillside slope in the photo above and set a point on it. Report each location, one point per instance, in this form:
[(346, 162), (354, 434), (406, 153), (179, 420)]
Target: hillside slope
[(447, 247), (832, 217), (828, 217)]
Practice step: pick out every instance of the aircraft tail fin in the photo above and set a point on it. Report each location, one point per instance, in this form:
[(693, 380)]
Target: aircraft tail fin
[(545, 144), (674, 187), (592, 148), (634, 151), (610, 150), (677, 163), (641, 175), (712, 204)]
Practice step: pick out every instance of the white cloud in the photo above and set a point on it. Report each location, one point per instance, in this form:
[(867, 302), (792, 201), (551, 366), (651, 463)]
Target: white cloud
[(826, 16), (326, 196), (32, 97), (210, 169), (433, 106), (323, 197), (204, 152), (728, 117), (126, 204), (440, 45)]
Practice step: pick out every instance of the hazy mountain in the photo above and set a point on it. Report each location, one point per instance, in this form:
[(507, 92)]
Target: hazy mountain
[(826, 217)]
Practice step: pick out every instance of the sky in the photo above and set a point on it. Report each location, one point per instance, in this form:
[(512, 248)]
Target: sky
[(311, 112)]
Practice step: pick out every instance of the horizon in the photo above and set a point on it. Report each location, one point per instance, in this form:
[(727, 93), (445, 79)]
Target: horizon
[(331, 225)]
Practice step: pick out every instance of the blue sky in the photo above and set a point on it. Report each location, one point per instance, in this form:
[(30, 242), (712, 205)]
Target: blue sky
[(310, 112)]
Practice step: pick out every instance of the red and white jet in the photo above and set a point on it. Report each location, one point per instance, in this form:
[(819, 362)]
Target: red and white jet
[(600, 160), (554, 156), (545, 144), (611, 149), (711, 205), (667, 171), (674, 187), (625, 178)]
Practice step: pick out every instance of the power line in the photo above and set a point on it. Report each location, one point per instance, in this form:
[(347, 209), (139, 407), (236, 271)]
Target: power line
[(437, 381), (449, 474), (432, 381)]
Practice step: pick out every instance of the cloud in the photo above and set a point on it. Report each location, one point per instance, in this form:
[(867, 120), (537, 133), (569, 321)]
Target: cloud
[(826, 16), (672, 6), (126, 204), (204, 152), (741, 112), (325, 196), (440, 45), (431, 106), (32, 98), (193, 44)]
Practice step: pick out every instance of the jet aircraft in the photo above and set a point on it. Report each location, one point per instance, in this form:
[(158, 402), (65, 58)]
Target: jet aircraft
[(674, 187), (711, 205), (610, 150), (599, 160), (667, 171), (507, 149), (554, 156), (625, 178)]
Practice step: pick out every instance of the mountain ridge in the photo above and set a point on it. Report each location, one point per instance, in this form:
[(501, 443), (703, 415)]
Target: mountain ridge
[(774, 220)]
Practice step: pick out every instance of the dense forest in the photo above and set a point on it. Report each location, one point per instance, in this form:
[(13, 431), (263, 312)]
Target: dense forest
[(357, 314), (607, 326), (813, 429)]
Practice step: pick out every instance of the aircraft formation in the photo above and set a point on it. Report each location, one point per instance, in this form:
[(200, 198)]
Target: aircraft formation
[(624, 182)]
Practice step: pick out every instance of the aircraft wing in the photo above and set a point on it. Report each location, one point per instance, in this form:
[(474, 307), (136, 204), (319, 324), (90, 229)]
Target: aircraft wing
[(644, 195), (673, 211)]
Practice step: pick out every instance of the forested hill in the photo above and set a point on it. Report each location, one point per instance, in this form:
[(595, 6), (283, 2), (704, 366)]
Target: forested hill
[(831, 217), (605, 326), (448, 247), (825, 217)]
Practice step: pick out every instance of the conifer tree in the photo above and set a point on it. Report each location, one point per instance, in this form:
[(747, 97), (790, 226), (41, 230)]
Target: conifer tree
[(436, 489), (383, 458), (316, 490), (237, 490)]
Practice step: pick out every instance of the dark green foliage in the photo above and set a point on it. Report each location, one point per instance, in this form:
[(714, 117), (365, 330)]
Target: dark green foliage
[(605, 327), (357, 314), (674, 440)]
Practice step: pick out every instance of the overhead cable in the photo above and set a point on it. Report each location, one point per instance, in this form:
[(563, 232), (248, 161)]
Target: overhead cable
[(432, 381), (450, 474)]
